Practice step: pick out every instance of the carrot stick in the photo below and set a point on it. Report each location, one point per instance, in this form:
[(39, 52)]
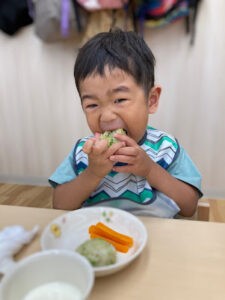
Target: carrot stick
[(121, 238), (105, 231), (118, 247)]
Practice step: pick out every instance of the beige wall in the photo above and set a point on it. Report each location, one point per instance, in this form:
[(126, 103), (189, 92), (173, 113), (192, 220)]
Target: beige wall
[(41, 117)]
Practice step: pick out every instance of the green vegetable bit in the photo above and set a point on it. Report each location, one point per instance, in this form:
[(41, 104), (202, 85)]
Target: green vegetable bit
[(109, 136)]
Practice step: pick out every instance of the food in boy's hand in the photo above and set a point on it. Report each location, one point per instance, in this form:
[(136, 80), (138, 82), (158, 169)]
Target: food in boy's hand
[(109, 136), (120, 241), (98, 251)]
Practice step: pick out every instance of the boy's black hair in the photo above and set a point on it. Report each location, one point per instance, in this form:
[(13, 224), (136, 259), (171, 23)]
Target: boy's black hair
[(125, 50)]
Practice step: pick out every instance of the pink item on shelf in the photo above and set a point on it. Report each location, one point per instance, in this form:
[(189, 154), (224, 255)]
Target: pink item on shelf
[(102, 4)]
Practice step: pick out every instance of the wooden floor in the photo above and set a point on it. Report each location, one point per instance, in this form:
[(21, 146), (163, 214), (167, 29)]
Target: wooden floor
[(26, 195), (41, 196)]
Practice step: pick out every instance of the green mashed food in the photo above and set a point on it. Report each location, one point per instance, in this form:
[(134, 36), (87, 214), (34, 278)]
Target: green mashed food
[(109, 136), (98, 251)]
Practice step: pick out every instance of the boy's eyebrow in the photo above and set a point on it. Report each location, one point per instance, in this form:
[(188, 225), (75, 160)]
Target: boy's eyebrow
[(121, 88), (88, 96)]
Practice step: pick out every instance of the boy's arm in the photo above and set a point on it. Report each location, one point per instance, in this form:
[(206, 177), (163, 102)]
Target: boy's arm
[(139, 163), (72, 194), (185, 195)]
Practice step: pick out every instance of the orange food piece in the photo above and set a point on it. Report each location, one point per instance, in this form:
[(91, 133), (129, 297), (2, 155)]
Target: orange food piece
[(115, 235), (118, 247), (120, 241)]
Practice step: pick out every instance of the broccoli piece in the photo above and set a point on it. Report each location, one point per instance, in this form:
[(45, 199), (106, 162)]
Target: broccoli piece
[(109, 136)]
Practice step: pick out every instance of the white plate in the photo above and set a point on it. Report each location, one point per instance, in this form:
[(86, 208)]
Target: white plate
[(73, 231)]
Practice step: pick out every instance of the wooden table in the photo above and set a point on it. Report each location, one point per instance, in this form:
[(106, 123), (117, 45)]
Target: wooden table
[(183, 259)]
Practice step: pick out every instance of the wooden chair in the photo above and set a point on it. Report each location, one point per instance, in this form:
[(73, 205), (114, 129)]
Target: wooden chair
[(203, 211), (216, 209), (210, 209)]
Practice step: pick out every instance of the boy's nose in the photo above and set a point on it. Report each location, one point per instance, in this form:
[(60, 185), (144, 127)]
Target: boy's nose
[(107, 115), (109, 120)]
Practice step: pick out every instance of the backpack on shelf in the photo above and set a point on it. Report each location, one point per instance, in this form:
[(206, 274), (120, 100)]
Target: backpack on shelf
[(157, 13), (56, 19), (106, 14), (14, 15)]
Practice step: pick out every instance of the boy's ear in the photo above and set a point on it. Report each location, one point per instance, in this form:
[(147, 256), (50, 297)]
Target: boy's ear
[(153, 99)]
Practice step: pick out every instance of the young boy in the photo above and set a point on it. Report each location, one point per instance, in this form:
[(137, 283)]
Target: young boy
[(146, 171)]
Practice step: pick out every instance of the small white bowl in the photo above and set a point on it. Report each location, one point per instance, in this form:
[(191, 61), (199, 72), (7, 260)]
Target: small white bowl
[(45, 267)]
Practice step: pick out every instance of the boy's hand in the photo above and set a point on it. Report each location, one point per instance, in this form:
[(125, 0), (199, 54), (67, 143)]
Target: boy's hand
[(135, 158), (98, 155)]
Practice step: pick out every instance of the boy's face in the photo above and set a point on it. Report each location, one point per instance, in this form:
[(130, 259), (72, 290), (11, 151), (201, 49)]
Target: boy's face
[(116, 101)]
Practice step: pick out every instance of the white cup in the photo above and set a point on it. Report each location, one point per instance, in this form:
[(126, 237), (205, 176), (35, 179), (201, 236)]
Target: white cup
[(44, 267)]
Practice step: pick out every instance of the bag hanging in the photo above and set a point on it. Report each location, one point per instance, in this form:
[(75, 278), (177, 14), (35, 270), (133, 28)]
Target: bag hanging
[(14, 15), (55, 19)]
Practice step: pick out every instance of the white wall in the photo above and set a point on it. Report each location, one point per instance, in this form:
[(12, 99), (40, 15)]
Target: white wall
[(40, 114), (41, 117)]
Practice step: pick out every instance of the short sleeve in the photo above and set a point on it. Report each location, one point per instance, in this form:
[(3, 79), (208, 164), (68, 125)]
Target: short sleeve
[(65, 171), (185, 170)]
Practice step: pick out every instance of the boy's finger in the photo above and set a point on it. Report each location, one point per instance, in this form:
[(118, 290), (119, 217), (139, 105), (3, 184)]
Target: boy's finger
[(100, 146), (97, 135), (115, 147), (126, 139), (129, 151), (87, 148)]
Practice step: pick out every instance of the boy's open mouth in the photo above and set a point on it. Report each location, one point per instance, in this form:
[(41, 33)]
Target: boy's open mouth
[(117, 130)]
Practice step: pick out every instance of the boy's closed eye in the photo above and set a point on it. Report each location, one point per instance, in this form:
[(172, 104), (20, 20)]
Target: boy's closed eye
[(90, 106), (120, 100)]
